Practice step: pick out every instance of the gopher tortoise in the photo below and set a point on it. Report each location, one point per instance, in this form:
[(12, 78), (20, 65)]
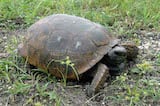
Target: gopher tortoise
[(88, 46)]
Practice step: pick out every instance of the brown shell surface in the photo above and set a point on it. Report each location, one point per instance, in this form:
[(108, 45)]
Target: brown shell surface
[(50, 40)]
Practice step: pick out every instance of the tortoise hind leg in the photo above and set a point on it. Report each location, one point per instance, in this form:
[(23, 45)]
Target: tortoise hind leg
[(98, 80)]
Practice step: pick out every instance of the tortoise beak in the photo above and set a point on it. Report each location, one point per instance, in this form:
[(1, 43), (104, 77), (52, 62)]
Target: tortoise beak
[(117, 51)]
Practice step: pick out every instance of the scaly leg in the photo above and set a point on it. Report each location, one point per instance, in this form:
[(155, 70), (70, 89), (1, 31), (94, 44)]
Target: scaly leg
[(98, 80)]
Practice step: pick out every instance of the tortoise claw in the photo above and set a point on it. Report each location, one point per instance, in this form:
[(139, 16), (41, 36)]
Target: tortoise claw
[(90, 91)]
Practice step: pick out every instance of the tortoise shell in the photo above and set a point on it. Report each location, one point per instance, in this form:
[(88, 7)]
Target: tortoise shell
[(49, 41)]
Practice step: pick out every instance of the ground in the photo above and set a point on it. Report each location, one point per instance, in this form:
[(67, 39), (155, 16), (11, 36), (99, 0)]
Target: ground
[(53, 91)]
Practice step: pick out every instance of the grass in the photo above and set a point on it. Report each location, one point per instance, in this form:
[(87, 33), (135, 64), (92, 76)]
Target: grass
[(140, 86), (19, 82), (133, 13), (137, 90)]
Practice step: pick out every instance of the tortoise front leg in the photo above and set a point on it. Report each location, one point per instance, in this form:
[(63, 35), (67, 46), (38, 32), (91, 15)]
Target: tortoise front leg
[(99, 79)]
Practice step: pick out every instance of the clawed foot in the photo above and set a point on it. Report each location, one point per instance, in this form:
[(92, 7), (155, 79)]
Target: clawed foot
[(90, 91), (98, 80)]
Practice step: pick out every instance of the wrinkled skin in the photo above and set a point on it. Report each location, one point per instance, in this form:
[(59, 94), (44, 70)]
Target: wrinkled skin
[(116, 59)]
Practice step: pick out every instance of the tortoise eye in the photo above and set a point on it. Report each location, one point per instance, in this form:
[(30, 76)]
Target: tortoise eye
[(120, 53)]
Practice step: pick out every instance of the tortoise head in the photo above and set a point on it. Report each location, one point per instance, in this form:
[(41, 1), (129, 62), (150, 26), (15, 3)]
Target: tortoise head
[(115, 59), (119, 54), (124, 51)]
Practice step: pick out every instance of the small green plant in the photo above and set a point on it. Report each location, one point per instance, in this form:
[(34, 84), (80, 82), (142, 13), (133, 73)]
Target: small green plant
[(5, 75), (158, 59), (19, 87), (9, 64), (142, 68), (43, 91), (38, 104), (68, 64), (53, 96), (121, 79), (133, 94)]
